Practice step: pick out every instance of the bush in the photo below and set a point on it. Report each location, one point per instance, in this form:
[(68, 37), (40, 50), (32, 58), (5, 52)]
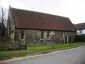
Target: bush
[(80, 38)]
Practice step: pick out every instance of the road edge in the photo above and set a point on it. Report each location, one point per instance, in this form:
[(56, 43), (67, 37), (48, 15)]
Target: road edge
[(37, 55)]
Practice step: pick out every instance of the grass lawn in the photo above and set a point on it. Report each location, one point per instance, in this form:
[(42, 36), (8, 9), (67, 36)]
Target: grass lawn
[(37, 48)]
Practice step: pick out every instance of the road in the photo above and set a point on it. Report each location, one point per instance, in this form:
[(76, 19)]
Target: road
[(73, 56)]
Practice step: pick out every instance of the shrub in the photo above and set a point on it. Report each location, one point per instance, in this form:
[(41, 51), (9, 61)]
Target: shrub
[(80, 38)]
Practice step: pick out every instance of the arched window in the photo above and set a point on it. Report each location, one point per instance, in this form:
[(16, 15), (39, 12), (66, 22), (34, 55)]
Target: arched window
[(42, 33), (22, 34)]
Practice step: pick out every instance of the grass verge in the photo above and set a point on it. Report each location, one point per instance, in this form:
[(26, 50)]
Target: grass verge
[(37, 48)]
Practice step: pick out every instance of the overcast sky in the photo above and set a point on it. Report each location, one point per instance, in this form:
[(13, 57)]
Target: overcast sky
[(74, 9)]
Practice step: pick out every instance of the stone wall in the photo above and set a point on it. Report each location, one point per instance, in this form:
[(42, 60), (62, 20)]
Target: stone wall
[(56, 36), (34, 36)]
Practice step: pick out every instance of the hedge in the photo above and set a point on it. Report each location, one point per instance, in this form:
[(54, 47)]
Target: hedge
[(80, 38)]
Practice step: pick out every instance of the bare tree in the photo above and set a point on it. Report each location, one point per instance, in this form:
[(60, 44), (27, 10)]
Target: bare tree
[(3, 15), (3, 20)]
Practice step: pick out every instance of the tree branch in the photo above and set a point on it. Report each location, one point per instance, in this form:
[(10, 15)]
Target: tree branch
[(3, 16)]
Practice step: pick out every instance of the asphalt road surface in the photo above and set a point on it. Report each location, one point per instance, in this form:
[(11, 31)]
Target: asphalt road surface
[(73, 56)]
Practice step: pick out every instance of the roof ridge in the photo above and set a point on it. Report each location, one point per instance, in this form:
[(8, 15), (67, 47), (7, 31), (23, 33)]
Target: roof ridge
[(37, 12)]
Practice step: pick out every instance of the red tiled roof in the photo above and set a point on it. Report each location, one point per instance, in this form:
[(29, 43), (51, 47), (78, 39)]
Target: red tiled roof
[(80, 26), (35, 20)]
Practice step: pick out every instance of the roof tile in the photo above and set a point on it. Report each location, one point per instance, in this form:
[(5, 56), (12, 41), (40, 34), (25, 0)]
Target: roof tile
[(35, 20)]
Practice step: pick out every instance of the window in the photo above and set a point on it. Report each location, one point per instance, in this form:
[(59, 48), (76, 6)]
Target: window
[(22, 34), (45, 34), (42, 33), (61, 35), (15, 36), (52, 33), (48, 33)]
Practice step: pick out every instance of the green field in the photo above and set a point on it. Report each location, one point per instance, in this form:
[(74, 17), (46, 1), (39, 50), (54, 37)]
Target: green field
[(37, 48)]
